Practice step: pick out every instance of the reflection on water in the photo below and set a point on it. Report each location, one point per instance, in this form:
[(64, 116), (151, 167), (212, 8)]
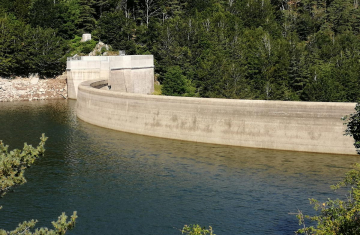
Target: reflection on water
[(122, 183)]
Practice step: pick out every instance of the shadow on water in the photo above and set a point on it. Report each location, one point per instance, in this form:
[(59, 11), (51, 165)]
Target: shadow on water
[(123, 183)]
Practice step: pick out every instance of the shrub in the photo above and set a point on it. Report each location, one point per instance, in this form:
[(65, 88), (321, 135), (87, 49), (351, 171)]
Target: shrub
[(176, 84)]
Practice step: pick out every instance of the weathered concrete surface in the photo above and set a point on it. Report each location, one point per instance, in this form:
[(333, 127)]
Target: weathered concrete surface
[(33, 88), (133, 73), (132, 80), (297, 126), (86, 37)]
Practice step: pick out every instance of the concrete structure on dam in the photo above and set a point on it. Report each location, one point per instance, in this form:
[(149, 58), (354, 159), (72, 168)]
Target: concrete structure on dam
[(284, 125), (131, 73)]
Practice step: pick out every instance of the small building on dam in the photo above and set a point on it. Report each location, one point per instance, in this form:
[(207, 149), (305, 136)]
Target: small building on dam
[(128, 73)]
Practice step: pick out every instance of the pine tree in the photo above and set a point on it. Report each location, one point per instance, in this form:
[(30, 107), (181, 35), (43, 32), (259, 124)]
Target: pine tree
[(86, 22)]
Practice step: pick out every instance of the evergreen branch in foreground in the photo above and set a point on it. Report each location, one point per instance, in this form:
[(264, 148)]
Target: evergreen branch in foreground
[(12, 167)]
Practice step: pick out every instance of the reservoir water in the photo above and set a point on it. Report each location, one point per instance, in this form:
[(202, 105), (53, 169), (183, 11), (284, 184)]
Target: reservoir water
[(121, 183)]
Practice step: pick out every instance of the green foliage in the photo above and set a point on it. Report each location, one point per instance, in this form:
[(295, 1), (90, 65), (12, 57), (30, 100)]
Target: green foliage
[(20, 8), (259, 49), (195, 229), (176, 84), (157, 89), (115, 29), (353, 127), (336, 216), (62, 16), (81, 48), (61, 226), (13, 163), (25, 50), (12, 167), (86, 22), (88, 46)]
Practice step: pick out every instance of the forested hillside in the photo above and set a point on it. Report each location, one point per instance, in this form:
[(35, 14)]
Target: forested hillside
[(253, 49)]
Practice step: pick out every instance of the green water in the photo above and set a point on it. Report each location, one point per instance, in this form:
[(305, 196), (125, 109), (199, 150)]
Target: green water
[(123, 183)]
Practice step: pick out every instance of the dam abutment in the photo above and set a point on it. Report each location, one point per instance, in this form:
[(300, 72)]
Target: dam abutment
[(130, 73)]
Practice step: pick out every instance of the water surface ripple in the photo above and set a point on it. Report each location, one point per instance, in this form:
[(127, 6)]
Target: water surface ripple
[(122, 183)]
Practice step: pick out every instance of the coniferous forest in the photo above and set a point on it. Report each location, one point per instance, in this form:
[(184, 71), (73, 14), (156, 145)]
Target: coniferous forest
[(243, 49)]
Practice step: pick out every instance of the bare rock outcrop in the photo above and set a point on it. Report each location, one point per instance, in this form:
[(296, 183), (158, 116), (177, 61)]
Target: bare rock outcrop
[(33, 88)]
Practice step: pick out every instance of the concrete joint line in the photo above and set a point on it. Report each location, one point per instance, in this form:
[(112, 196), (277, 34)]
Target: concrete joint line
[(98, 68), (150, 67)]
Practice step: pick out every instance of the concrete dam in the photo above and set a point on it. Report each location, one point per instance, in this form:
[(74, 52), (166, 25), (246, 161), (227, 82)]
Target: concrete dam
[(129, 106)]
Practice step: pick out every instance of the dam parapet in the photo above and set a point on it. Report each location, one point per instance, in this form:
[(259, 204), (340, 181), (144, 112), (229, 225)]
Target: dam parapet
[(129, 73)]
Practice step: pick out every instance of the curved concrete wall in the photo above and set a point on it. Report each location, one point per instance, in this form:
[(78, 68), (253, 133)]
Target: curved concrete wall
[(297, 126)]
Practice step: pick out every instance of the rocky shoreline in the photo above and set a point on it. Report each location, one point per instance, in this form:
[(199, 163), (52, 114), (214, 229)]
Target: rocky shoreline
[(33, 88)]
